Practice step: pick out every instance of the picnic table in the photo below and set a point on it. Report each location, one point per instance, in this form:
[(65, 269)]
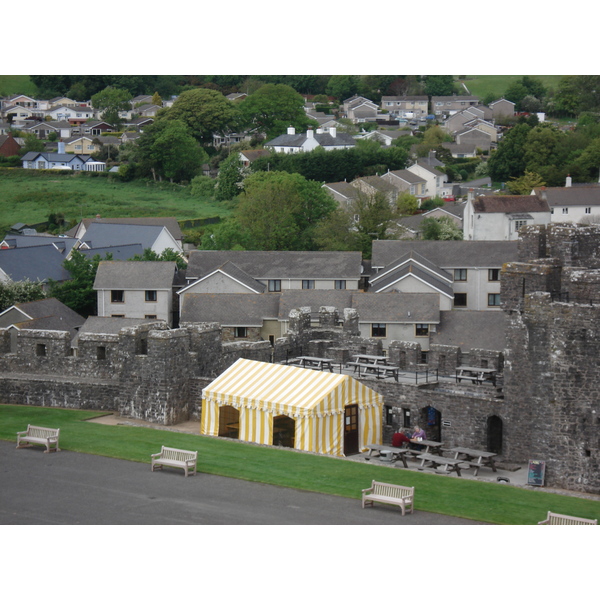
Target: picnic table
[(476, 374), (314, 362), (371, 364), (390, 453), (449, 464), (430, 447), (475, 458)]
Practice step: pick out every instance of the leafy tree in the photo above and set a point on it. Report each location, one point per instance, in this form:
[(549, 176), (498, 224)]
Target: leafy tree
[(78, 292), (440, 228), (227, 235), (524, 87), (342, 87), (204, 111), (168, 254), (32, 144), (273, 108), (156, 99), (431, 203), (589, 160), (508, 160), (407, 204), (202, 186), (439, 85), (229, 181), (522, 186), (111, 101), (16, 292)]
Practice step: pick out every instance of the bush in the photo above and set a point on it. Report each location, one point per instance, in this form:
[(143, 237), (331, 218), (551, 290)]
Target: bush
[(203, 186)]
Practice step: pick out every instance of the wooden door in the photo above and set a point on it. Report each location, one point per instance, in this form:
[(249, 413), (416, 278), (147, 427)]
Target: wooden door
[(351, 429)]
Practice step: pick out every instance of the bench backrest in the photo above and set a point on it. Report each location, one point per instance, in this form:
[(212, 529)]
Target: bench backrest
[(556, 519), (176, 454), (392, 490), (42, 432)]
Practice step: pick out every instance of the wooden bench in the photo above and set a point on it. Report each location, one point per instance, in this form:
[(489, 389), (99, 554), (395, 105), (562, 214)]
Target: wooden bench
[(389, 493), (556, 519), (44, 436), (173, 457)]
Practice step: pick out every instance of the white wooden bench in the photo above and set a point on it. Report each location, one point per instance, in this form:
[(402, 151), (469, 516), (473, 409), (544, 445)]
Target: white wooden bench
[(556, 519), (44, 436), (173, 457), (389, 493)]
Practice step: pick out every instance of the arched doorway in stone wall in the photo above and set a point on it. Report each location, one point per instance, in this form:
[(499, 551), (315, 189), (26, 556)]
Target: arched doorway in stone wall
[(430, 419), (229, 422), (494, 434)]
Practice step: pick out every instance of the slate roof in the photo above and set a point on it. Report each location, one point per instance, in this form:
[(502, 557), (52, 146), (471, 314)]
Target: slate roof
[(26, 241), (278, 265), (407, 176), (459, 254), (509, 204), (124, 252), (49, 314), (109, 234), (471, 329), (230, 310), (570, 196), (135, 275), (314, 299), (34, 263), (169, 222), (324, 139), (397, 308), (231, 270), (343, 188)]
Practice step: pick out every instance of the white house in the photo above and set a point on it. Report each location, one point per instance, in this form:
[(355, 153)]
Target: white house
[(305, 142), (578, 204)]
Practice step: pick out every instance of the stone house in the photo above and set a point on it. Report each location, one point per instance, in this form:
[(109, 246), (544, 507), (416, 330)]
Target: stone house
[(136, 289), (501, 217)]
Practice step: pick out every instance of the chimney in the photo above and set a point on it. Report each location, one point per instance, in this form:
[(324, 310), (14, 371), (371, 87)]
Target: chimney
[(291, 130), (471, 194), (332, 132), (310, 133), (319, 130), (61, 147), (568, 181)]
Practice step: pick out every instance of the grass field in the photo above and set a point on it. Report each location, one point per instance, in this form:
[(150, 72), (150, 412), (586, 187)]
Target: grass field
[(482, 85), (16, 84), (25, 198), (477, 500)]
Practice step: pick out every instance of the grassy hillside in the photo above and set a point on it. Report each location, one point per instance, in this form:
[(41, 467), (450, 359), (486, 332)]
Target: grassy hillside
[(29, 198), (16, 84), (482, 85)]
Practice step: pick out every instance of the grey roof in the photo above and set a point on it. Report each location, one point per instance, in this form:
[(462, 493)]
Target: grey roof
[(56, 157), (406, 175), (25, 241), (509, 204), (376, 182), (458, 254), (111, 325), (230, 310), (314, 299), (397, 307), (49, 314), (109, 234), (135, 275), (34, 263), (570, 196), (124, 252), (324, 139), (343, 188), (471, 329), (278, 265), (170, 223), (231, 270)]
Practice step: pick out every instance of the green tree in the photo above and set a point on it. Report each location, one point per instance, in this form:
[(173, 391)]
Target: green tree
[(407, 204), (566, 101), (440, 228), (522, 186), (439, 85), (342, 87), (168, 254), (156, 99), (32, 144), (16, 292), (111, 101), (203, 186), (508, 160), (273, 108), (204, 111), (229, 180), (78, 292)]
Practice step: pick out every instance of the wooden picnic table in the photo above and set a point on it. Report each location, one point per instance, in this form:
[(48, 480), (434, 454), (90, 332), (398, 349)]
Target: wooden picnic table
[(379, 371), (476, 374), (430, 446), (391, 451), (449, 464), (314, 362), (370, 359), (475, 458)]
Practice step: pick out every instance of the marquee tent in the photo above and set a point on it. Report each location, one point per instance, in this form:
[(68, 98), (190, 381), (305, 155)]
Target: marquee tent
[(320, 412)]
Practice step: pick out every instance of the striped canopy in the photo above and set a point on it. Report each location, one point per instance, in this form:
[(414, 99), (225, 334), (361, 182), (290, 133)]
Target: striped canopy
[(314, 399)]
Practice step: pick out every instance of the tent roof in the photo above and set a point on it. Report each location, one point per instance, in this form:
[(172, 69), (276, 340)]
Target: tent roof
[(285, 389)]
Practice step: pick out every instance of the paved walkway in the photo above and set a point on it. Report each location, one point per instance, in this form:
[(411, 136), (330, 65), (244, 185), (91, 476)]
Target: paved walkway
[(68, 488)]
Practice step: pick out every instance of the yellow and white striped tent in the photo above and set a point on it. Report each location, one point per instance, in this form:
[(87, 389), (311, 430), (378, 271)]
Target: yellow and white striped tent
[(314, 399)]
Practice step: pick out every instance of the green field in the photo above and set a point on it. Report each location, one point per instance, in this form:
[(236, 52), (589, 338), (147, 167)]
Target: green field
[(482, 85), (477, 500), (16, 84), (29, 198)]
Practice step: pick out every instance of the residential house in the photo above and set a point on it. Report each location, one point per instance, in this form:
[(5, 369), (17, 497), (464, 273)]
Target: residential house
[(407, 181), (462, 150), (140, 100), (136, 289), (247, 157), (474, 266), (46, 314), (265, 271), (80, 144), (502, 108), (236, 96), (406, 107), (20, 115), (343, 192), (130, 136), (19, 100), (96, 128), (139, 123), (293, 142), (374, 184), (33, 263), (8, 145), (485, 126), (571, 204), (63, 101), (452, 210), (448, 105), (501, 217), (61, 160), (75, 115), (325, 121), (459, 120), (386, 136), (229, 139), (434, 179), (470, 136)]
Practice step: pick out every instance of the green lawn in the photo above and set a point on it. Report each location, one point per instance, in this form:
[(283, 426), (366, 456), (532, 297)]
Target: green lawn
[(17, 84), (482, 85), (27, 198), (478, 500)]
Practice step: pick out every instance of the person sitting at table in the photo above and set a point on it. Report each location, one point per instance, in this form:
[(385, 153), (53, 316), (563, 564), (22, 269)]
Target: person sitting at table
[(418, 435), (400, 439)]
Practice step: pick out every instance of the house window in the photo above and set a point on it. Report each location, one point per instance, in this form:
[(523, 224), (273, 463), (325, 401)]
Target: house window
[(77, 146), (460, 300), (493, 274), (149, 316), (40, 349), (565, 211), (117, 296), (421, 330), (460, 274), (424, 358), (274, 285), (118, 316), (308, 284), (240, 332), (519, 224), (150, 295), (340, 284), (588, 210), (101, 352), (493, 299), (378, 330)]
